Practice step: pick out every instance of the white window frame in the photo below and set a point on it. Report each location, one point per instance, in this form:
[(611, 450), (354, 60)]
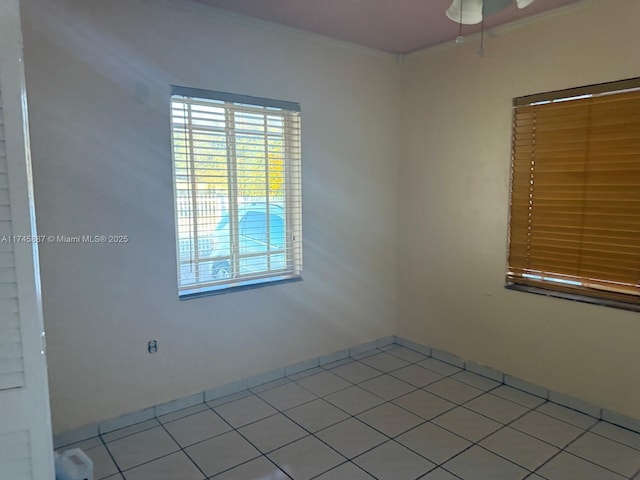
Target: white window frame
[(196, 266)]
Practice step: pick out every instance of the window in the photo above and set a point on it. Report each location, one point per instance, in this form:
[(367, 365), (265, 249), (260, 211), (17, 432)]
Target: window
[(237, 187), (574, 228)]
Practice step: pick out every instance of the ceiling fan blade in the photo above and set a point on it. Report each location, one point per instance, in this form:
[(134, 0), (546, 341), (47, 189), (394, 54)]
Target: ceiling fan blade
[(524, 3), (471, 11)]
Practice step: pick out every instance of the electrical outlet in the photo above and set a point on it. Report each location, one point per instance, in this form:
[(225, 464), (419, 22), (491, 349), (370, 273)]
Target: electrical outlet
[(152, 346)]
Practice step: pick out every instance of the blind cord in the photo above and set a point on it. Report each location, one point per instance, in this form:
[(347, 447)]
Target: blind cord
[(481, 50), (460, 38)]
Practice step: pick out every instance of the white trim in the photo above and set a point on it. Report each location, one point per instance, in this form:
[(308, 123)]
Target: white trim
[(77, 435), (25, 412), (226, 390), (333, 357), (414, 346), (266, 377), (385, 341), (575, 404), (179, 404), (447, 357), (525, 386), (621, 420), (302, 366), (488, 372), (362, 348), (128, 419), (243, 385)]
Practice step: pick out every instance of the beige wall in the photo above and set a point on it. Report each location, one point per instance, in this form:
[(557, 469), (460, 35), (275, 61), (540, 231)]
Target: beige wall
[(98, 76), (454, 178)]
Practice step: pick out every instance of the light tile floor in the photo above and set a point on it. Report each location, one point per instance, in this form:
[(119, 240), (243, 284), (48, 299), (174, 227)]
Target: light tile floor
[(389, 414)]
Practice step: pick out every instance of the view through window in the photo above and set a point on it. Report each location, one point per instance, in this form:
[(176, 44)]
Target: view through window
[(237, 183)]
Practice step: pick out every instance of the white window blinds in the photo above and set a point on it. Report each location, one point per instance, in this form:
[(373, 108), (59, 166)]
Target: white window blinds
[(237, 190)]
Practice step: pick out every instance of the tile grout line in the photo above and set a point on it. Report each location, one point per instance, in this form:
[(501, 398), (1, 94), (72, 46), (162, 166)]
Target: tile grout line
[(503, 426), (310, 434), (560, 449), (265, 455), (456, 405), (278, 411), (588, 430), (384, 401), (564, 450), (477, 443), (397, 342), (345, 463), (182, 449), (322, 397), (232, 429), (613, 439), (111, 456), (389, 439)]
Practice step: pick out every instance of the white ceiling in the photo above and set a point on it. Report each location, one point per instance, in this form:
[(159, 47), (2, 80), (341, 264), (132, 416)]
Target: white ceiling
[(395, 26)]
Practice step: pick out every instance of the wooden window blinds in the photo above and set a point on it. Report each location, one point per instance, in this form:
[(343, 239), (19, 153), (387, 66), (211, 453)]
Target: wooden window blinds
[(574, 221)]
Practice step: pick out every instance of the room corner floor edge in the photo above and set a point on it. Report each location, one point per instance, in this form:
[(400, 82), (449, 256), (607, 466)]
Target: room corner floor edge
[(93, 430)]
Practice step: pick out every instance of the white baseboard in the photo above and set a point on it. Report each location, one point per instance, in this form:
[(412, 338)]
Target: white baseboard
[(93, 430)]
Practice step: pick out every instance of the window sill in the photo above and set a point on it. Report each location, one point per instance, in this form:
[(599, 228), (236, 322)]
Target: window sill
[(208, 291), (574, 297)]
